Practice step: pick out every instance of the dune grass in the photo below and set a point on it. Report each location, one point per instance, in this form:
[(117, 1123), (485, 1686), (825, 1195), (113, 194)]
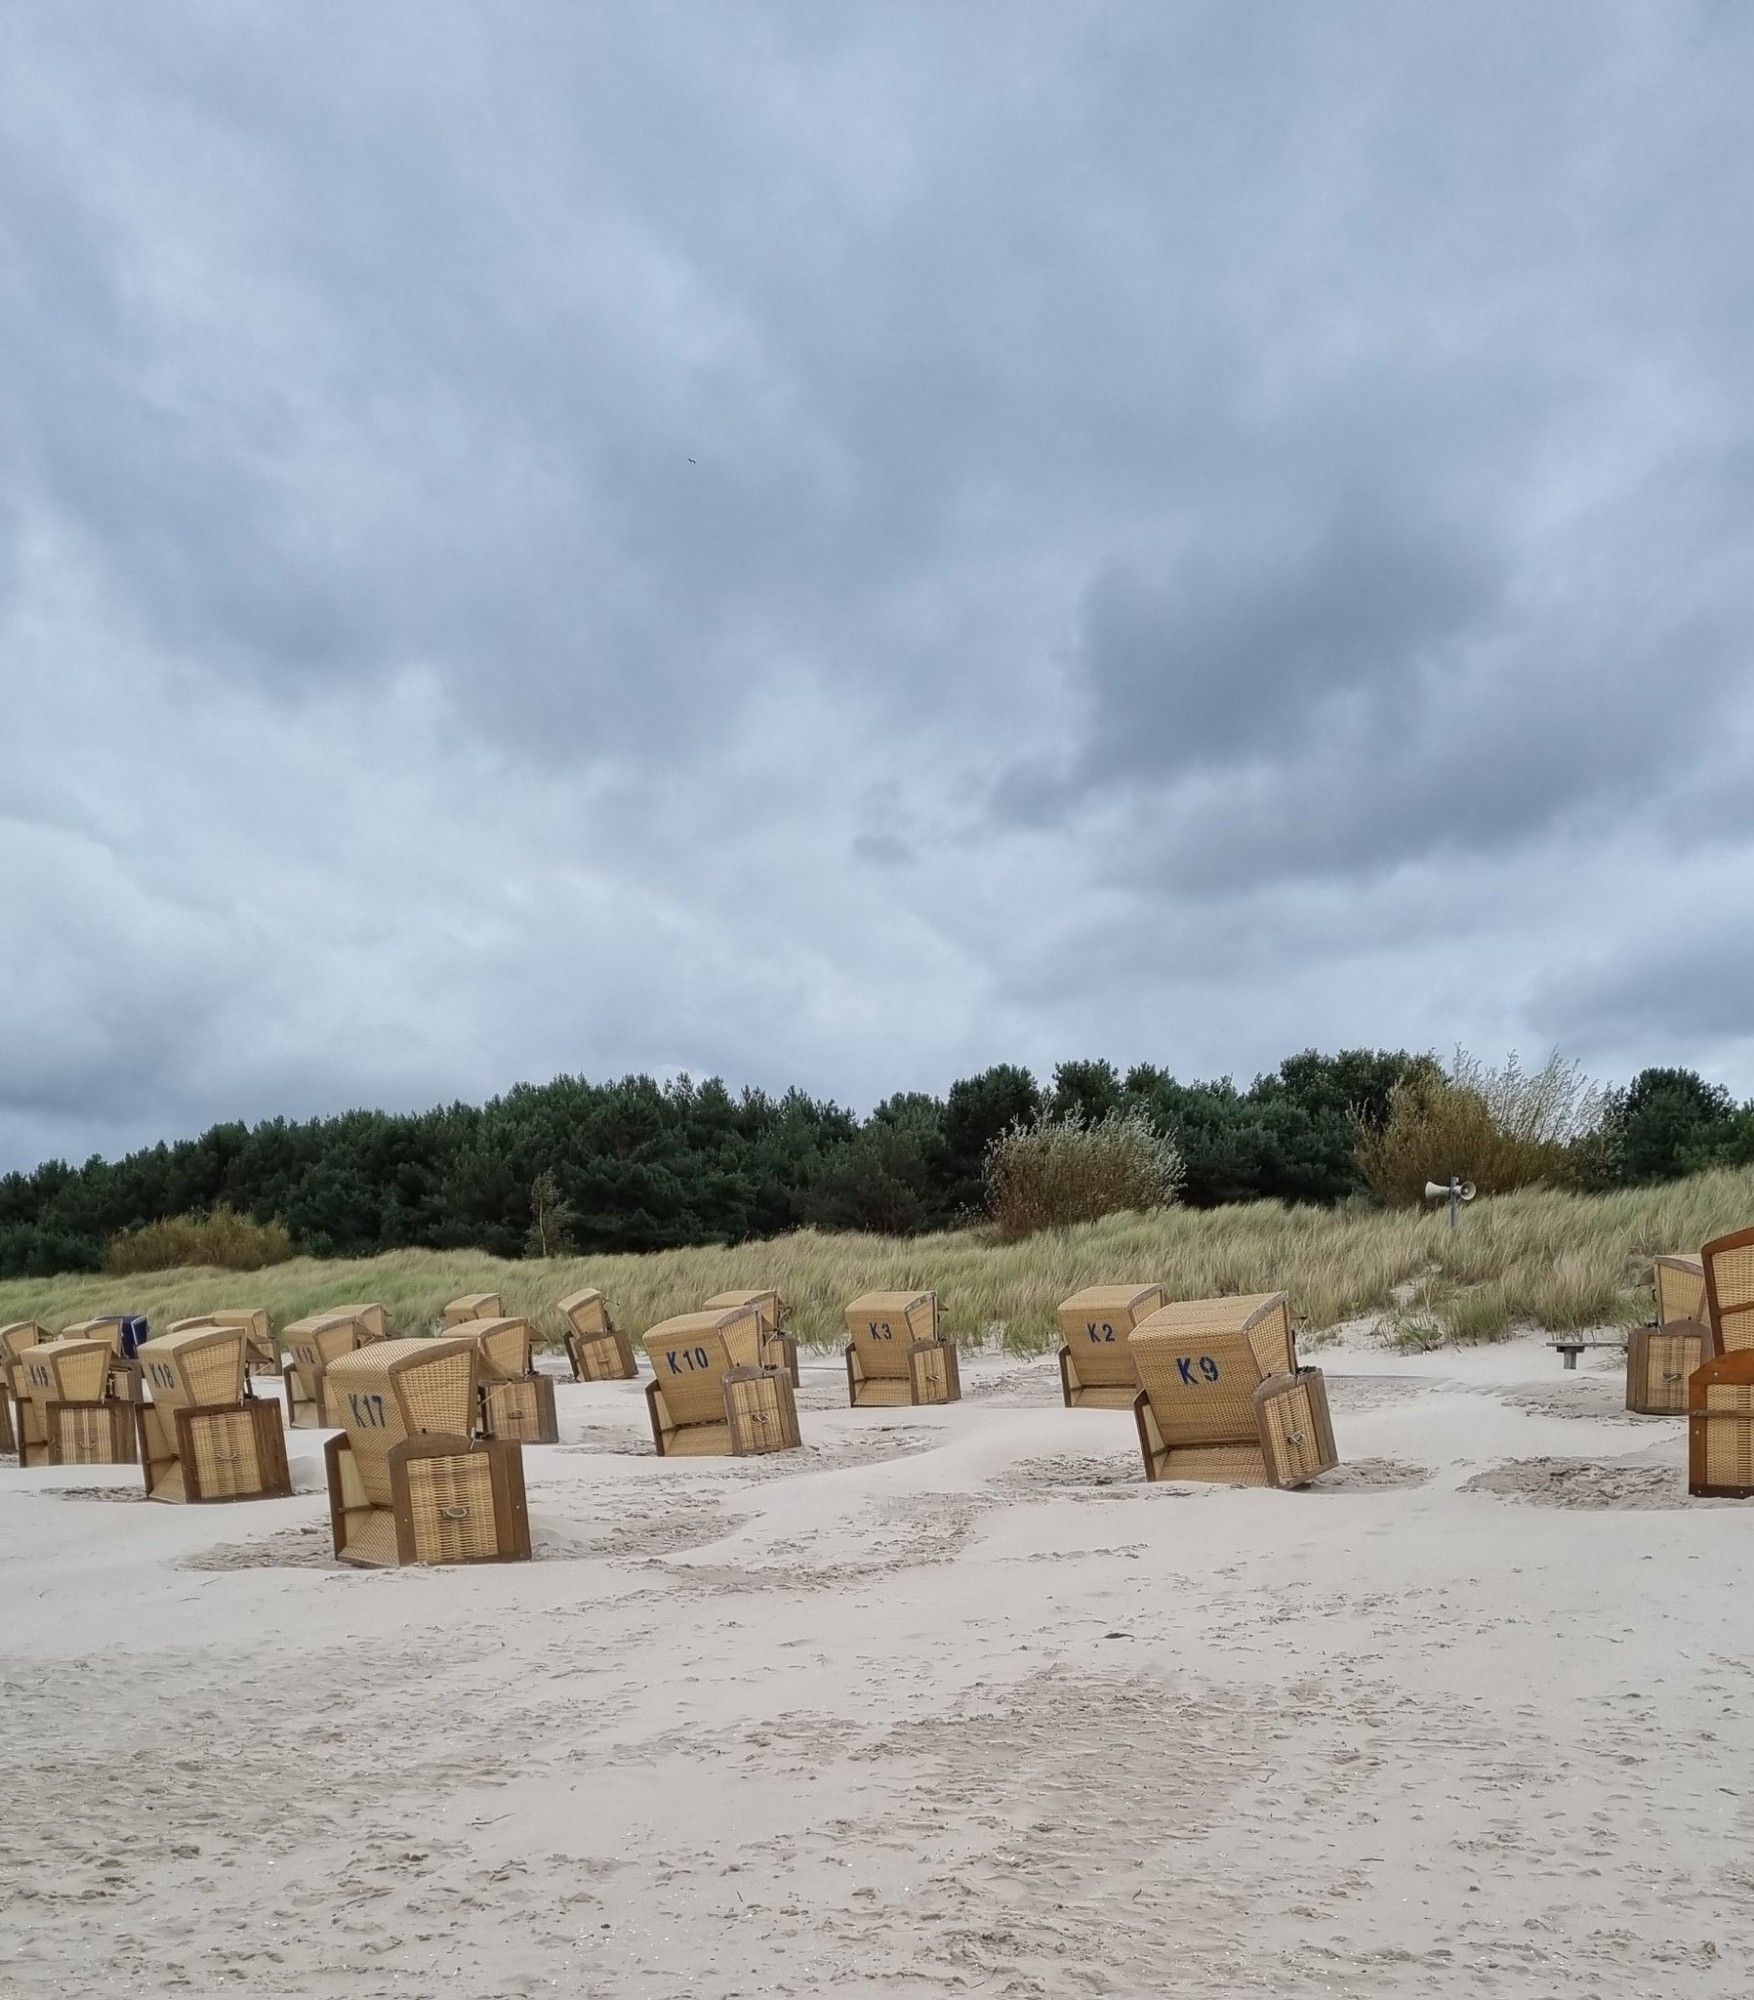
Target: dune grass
[(1535, 1258)]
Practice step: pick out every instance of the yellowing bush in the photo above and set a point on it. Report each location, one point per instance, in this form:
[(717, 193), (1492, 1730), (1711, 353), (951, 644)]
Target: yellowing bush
[(1061, 1171), (224, 1240)]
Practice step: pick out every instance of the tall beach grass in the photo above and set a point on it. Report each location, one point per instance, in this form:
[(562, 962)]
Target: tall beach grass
[(1535, 1258)]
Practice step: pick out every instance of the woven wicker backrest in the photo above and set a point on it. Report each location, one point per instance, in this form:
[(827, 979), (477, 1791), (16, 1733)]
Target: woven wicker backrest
[(1095, 1324), (14, 1339), (769, 1305), (474, 1305), (1679, 1283), (374, 1321), (503, 1347), (64, 1371), (1265, 1317), (1201, 1383), (883, 1325), (251, 1320), (396, 1389), (692, 1354), (586, 1313), (202, 1366), (108, 1330), (1729, 1288), (320, 1341)]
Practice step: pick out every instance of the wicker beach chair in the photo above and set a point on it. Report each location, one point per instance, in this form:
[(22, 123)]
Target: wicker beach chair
[(517, 1401), (1222, 1398), (778, 1348), (692, 1358), (261, 1355), (597, 1348), (14, 1339), (204, 1436), (1678, 1281), (374, 1321), (1720, 1425), (1729, 1290), (119, 1332), (896, 1352), (1096, 1370), (474, 1305), (67, 1413), (313, 1346), (406, 1484)]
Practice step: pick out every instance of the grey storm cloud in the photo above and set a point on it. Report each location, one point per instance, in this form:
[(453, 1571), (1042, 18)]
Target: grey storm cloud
[(842, 545)]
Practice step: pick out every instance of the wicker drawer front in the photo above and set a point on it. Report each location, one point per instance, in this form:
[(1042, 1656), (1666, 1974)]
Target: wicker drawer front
[(933, 1375), (601, 1357), (450, 1504), (761, 1411), (234, 1454), (522, 1411), (1297, 1434), (91, 1434), (1659, 1362)]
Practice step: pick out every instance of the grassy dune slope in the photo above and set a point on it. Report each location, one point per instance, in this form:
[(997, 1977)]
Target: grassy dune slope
[(1551, 1260)]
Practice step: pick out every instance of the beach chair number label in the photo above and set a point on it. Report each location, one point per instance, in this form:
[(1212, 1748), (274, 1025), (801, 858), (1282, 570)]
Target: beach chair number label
[(1186, 1364), (1099, 1331), (687, 1360), (39, 1375), (368, 1412), (879, 1329), (164, 1376)]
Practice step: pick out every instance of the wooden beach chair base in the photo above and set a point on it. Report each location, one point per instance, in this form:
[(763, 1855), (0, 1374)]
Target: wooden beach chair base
[(761, 1415), (90, 1433), (761, 1412), (1660, 1360), (521, 1411), (8, 1429), (303, 1412), (224, 1452), (934, 1375), (602, 1357), (1294, 1439), (452, 1501), (1078, 1395), (32, 1437), (780, 1350)]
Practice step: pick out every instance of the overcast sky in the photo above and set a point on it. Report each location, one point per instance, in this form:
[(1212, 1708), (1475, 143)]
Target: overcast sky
[(844, 544)]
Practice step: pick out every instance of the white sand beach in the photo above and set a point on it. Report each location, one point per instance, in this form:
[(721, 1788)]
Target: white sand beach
[(948, 1702)]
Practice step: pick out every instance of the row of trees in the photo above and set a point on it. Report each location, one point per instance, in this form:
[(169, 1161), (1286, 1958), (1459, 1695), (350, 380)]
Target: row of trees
[(635, 1165)]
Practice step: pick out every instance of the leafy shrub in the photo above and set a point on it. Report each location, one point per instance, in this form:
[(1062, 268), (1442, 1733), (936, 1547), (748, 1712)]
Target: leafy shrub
[(224, 1240), (1060, 1171), (1499, 1128)]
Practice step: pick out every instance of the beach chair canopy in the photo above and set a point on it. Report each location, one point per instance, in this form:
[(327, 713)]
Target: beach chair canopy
[(374, 1321), (474, 1305), (1729, 1290), (586, 1312), (200, 1366), (64, 1371), (504, 1347), (771, 1307), (1095, 1325), (1679, 1283)]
